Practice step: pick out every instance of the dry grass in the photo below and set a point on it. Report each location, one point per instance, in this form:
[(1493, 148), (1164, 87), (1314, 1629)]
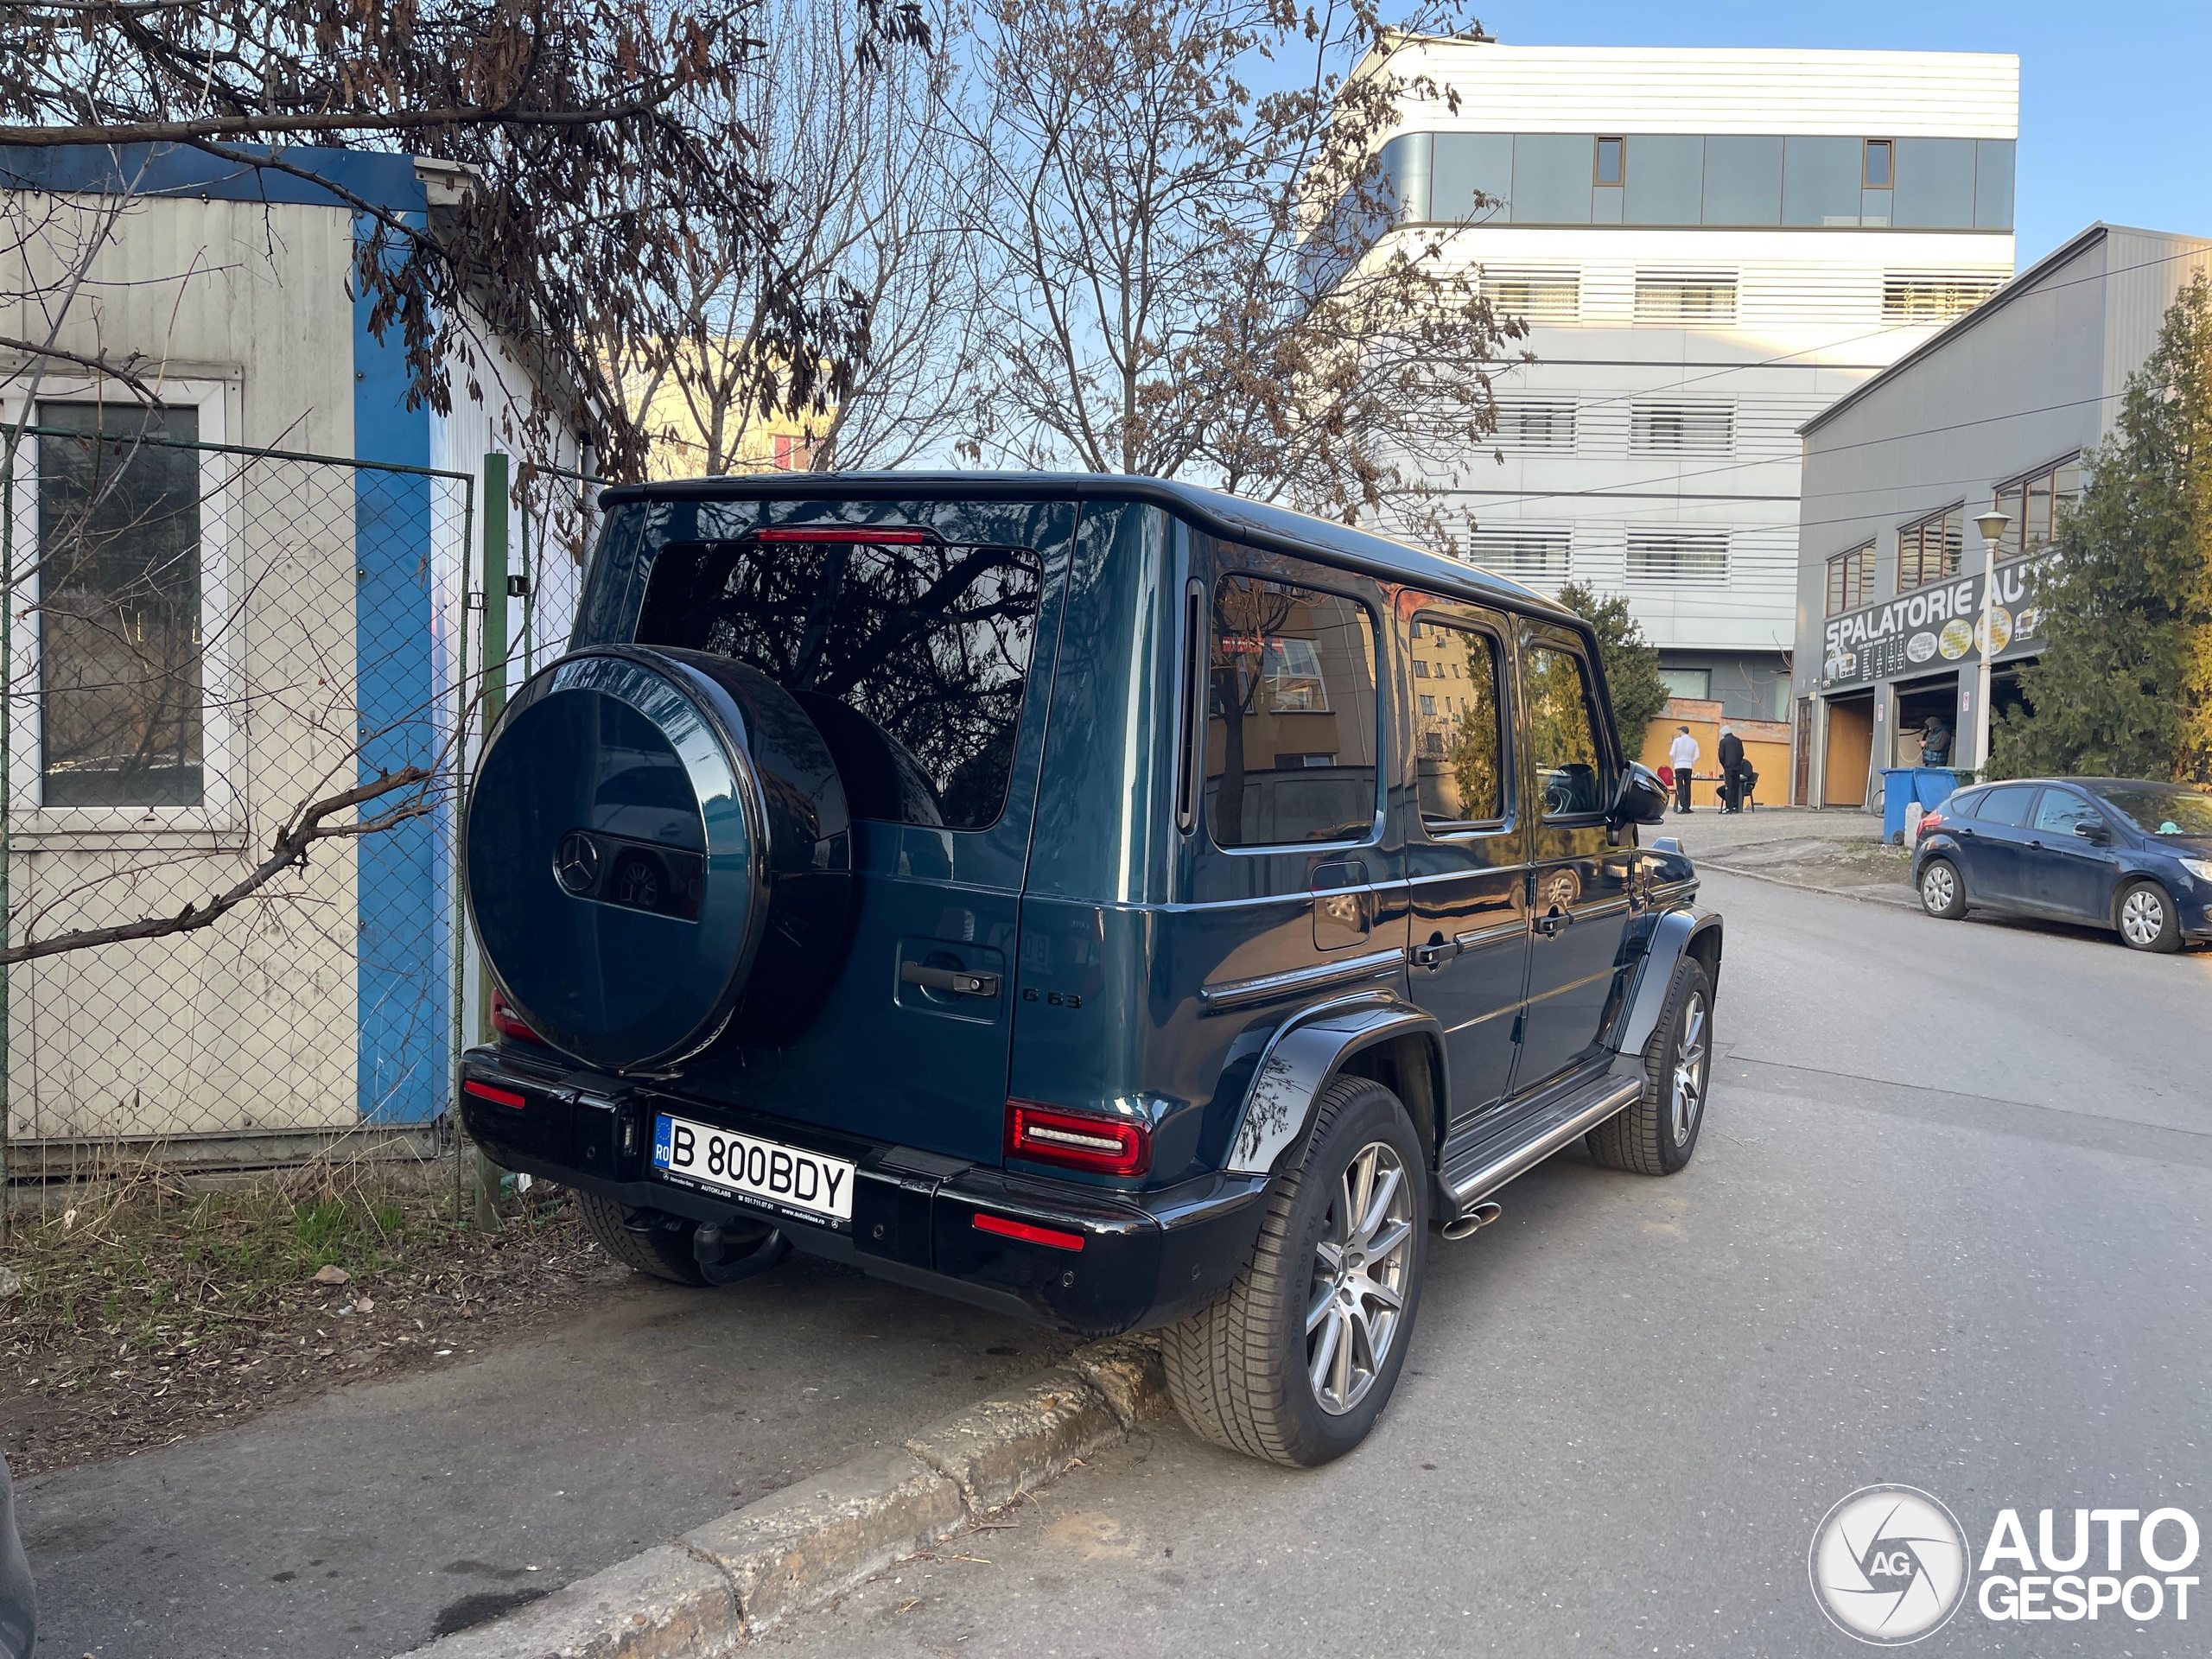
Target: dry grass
[(150, 1312)]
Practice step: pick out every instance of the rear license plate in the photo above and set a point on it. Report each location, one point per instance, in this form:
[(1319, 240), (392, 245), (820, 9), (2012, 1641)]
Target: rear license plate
[(782, 1176)]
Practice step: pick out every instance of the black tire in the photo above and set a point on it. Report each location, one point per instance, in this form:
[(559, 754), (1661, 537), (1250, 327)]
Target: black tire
[(1650, 1137), (663, 1251), (1942, 890), (1238, 1369), (2146, 919)]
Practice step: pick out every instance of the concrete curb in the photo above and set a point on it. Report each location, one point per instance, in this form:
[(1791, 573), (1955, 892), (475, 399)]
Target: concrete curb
[(704, 1592)]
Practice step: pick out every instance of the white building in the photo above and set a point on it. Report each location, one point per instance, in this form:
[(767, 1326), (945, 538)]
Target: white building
[(249, 590), (1709, 247)]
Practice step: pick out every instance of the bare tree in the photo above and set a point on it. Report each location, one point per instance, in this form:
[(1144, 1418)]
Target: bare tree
[(872, 199), (597, 145), (1197, 280), (598, 136)]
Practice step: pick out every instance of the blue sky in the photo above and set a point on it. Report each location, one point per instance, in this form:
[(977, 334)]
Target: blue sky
[(2114, 118)]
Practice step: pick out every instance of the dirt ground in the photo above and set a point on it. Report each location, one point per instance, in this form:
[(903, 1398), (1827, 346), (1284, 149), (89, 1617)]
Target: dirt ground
[(152, 1313), (1815, 861)]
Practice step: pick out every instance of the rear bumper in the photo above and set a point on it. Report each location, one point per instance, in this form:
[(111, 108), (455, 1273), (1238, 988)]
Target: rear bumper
[(1144, 1259)]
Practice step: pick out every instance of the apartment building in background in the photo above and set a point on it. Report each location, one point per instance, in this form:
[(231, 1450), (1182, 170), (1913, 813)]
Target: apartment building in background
[(1709, 248)]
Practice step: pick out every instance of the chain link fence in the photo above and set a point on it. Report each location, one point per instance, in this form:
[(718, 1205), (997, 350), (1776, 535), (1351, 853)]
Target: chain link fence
[(202, 641)]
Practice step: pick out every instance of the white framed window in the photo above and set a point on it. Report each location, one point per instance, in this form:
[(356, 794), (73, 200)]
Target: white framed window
[(1532, 553), (1686, 298), (1678, 557), (125, 650), (1550, 295), (1701, 428), (1535, 426), (1291, 670)]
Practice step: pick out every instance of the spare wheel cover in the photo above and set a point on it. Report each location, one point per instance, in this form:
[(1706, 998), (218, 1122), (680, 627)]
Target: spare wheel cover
[(616, 851)]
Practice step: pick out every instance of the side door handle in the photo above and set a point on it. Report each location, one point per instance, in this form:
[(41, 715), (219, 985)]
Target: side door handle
[(1435, 954), (958, 981), (1554, 921)]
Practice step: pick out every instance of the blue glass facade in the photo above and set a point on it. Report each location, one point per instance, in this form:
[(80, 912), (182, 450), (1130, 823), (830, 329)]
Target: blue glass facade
[(1686, 178)]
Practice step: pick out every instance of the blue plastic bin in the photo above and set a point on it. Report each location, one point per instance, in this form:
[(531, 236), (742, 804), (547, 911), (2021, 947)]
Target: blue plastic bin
[(1929, 785)]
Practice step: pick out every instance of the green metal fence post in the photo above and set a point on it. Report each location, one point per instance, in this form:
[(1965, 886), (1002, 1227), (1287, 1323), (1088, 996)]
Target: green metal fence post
[(459, 927), (496, 646), (7, 801)]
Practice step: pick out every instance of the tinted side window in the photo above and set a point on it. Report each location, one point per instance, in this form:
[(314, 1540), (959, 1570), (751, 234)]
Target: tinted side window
[(1292, 725), (2060, 811), (1563, 733), (1966, 803), (2007, 805), (910, 654), (1459, 755)]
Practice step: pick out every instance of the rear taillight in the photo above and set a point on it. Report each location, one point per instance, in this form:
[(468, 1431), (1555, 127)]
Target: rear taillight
[(1929, 821), (497, 1095), (1110, 1146), (505, 1022)]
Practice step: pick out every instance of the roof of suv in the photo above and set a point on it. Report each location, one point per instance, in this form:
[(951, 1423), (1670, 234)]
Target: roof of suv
[(1233, 517)]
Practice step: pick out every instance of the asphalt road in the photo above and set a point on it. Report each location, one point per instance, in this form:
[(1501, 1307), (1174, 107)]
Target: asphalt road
[(1946, 1227)]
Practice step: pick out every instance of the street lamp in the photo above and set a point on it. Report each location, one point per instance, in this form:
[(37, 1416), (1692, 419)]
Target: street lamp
[(1991, 526)]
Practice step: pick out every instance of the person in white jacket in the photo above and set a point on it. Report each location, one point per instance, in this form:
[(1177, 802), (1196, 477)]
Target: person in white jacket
[(1683, 756)]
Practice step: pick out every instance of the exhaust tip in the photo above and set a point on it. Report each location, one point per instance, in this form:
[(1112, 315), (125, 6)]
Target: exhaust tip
[(1480, 1215)]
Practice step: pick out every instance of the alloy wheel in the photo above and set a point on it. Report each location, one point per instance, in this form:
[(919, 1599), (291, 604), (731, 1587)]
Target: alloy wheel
[(1688, 1088), (1938, 887), (2143, 917), (1358, 1293)]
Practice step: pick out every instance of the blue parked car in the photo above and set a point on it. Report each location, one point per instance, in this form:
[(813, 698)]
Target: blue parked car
[(1114, 904), (2122, 853)]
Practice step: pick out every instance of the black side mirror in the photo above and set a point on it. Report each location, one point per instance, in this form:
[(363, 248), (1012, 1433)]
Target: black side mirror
[(1642, 798), (2092, 831)]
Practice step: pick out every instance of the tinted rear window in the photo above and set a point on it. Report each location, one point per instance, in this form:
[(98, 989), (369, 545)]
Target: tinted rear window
[(2007, 805), (911, 656)]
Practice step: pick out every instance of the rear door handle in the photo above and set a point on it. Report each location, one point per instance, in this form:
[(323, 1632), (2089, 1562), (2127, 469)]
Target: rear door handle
[(1553, 921), (958, 981), (1434, 955)]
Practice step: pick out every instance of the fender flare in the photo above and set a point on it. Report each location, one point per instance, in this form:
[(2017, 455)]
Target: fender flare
[(1308, 1050), (1674, 934)]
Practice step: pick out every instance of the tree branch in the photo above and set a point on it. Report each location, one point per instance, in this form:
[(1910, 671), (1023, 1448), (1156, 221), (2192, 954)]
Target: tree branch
[(291, 846), (99, 364), (248, 126)]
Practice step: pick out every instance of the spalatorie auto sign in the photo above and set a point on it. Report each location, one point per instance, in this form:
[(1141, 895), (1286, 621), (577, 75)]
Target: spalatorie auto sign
[(1924, 630)]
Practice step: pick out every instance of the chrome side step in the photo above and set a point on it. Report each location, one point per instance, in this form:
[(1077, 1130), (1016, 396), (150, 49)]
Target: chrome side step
[(1574, 1117)]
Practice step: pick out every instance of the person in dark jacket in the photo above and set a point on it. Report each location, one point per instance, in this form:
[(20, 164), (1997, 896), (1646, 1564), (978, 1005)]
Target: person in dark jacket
[(1935, 742), (1732, 771)]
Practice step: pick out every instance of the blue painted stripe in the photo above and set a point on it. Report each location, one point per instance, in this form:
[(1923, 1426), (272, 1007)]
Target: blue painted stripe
[(405, 897)]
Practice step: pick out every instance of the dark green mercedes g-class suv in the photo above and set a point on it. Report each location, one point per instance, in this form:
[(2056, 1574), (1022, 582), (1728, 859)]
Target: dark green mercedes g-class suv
[(1108, 901)]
